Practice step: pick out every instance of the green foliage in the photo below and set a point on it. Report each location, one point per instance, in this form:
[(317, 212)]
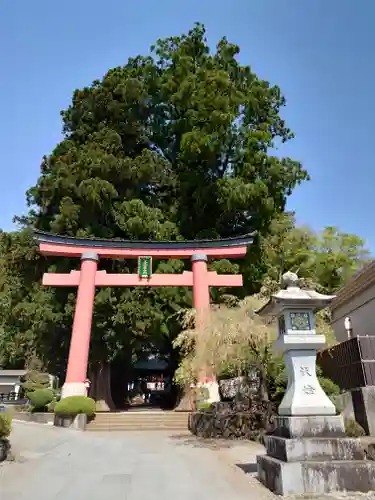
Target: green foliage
[(26, 310), (338, 256), (203, 405), (329, 387), (5, 425), (353, 429), (34, 381), (233, 340), (325, 261), (40, 398), (75, 405)]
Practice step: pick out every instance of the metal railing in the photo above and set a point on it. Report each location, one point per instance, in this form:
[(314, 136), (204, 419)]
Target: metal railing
[(9, 397)]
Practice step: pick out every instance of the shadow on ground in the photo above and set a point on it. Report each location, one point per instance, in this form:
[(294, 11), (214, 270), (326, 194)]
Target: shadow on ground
[(250, 468), (212, 444)]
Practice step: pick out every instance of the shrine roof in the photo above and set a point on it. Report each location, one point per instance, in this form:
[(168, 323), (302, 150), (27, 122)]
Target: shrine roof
[(357, 285), (55, 244)]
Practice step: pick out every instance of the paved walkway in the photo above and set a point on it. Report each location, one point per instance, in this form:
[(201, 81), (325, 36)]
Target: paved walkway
[(58, 464)]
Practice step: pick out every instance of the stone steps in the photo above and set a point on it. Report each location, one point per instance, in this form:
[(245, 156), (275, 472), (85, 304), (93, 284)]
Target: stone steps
[(136, 429), (140, 421)]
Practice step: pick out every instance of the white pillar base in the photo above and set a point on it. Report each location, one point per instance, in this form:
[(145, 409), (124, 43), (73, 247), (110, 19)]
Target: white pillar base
[(73, 389), (213, 391), (318, 404)]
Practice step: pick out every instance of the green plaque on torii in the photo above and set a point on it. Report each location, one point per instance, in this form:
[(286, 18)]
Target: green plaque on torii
[(144, 267)]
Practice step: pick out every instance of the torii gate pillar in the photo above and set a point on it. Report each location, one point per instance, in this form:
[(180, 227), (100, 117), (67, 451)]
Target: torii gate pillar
[(201, 291), (81, 333), (201, 302)]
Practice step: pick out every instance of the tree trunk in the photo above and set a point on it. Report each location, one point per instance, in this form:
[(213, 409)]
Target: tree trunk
[(128, 371), (173, 362), (263, 386), (121, 375), (188, 401), (100, 389)]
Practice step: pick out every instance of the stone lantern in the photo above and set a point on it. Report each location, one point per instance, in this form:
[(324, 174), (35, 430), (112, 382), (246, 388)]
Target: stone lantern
[(294, 309), (307, 451)]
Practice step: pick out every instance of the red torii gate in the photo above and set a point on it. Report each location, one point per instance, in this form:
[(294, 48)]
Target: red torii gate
[(91, 250)]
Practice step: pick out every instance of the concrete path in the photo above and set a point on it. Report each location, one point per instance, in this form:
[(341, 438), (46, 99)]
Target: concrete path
[(58, 464)]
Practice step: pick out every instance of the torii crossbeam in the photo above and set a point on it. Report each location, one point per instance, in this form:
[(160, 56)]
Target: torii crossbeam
[(102, 278), (89, 277)]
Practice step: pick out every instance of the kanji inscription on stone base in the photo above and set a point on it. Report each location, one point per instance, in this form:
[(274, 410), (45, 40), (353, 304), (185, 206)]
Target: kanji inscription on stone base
[(308, 389), (304, 370)]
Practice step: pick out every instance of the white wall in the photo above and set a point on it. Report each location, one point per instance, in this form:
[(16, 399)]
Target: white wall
[(361, 310), (9, 380), (6, 388)]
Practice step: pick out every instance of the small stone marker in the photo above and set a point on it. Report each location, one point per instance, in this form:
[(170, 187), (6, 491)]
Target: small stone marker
[(308, 452)]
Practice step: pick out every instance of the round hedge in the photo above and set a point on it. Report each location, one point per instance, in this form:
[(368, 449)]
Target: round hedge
[(5, 425), (75, 405), (41, 398)]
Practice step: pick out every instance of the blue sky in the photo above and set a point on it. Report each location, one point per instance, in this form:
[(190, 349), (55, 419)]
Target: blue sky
[(321, 54)]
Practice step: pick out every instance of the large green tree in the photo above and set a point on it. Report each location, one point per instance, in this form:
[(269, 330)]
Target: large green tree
[(337, 256), (29, 313), (170, 146), (325, 260)]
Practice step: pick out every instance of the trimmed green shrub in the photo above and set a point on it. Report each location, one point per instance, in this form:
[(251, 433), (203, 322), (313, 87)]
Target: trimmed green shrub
[(353, 429), (41, 398), (35, 380), (5, 425), (75, 405)]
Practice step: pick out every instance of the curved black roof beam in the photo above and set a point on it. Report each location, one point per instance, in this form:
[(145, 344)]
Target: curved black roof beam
[(56, 239)]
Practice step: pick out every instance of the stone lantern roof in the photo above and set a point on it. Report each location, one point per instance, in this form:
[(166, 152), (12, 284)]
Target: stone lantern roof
[(292, 296)]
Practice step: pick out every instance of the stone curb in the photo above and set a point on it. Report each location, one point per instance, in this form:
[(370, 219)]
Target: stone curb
[(14, 420)]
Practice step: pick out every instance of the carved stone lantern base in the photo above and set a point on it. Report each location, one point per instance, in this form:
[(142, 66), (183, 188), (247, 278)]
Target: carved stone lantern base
[(311, 455)]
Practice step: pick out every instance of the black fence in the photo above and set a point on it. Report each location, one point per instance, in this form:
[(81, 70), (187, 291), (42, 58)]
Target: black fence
[(350, 364), (10, 397)]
